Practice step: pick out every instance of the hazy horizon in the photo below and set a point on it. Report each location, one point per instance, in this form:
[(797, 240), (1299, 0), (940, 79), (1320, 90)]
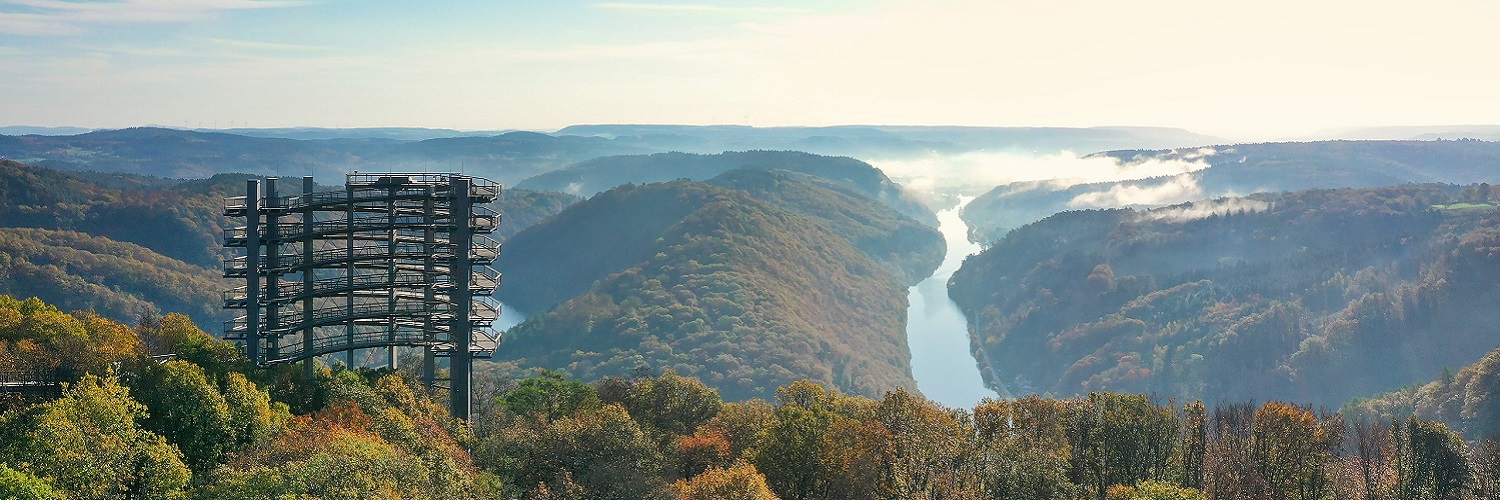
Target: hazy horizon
[(1370, 132)]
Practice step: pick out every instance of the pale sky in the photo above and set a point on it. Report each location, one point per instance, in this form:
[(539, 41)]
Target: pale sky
[(1270, 68)]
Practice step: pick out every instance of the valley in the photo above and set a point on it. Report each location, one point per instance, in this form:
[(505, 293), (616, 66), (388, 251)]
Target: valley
[(734, 250), (788, 292), (557, 272)]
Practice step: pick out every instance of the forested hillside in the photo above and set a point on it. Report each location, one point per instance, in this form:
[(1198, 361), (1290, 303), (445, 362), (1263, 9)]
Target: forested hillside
[(1467, 400), (906, 248), (139, 247), (521, 208), (181, 219), (123, 281), (1239, 170), (714, 283), (593, 176), (1315, 296), (127, 245)]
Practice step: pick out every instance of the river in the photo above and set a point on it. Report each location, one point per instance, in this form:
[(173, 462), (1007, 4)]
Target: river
[(936, 329), (508, 318)]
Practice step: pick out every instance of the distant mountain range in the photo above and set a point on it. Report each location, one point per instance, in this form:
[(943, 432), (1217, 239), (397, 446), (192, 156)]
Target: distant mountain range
[(182, 154), (29, 130), (325, 133), (1417, 133), (509, 157), (888, 141)]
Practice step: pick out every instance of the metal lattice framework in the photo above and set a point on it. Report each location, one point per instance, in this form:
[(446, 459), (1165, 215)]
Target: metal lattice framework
[(392, 260)]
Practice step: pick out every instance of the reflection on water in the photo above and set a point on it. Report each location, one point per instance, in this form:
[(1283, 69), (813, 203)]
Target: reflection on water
[(938, 332), (509, 317)]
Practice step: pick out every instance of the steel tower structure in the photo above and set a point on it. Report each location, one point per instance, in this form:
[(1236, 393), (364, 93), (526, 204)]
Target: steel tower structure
[(392, 260)]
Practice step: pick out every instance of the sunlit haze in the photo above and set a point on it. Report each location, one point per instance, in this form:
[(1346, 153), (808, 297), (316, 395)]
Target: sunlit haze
[(1258, 70)]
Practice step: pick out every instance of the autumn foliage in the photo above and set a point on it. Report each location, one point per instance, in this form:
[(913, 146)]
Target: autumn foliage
[(201, 427)]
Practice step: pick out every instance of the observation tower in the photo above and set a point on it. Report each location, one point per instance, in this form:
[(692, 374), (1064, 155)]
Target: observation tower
[(392, 260)]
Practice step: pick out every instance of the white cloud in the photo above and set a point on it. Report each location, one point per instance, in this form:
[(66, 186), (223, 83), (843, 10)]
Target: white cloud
[(1175, 190), (1055, 171), (1201, 153), (1198, 210), (57, 17)]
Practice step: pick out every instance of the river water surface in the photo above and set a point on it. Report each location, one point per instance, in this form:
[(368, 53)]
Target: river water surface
[(509, 317), (937, 331)]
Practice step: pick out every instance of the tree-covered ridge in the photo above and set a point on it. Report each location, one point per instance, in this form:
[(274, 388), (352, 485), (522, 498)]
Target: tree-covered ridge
[(1239, 169), (562, 256), (1317, 295), (614, 230), (122, 281), (183, 221), (728, 289), (904, 247), (600, 174)]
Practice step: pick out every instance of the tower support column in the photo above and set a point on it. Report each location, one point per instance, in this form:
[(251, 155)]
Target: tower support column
[(462, 329)]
